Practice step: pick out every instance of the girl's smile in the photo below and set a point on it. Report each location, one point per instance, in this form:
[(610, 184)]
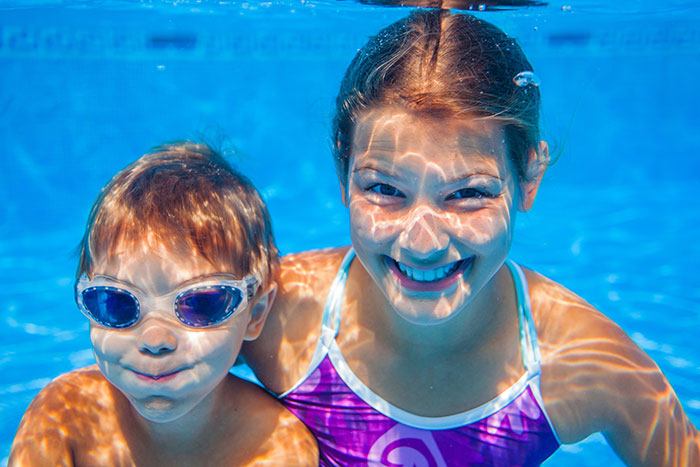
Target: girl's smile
[(428, 280), (432, 206)]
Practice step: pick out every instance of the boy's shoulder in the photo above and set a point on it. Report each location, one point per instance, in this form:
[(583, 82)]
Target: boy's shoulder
[(273, 434), (77, 407), (81, 390)]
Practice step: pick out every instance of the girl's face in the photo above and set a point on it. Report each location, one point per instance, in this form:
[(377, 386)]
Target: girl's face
[(163, 367), (432, 206)]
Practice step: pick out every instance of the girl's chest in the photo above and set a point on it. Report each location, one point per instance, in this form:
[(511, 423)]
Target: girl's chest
[(431, 385)]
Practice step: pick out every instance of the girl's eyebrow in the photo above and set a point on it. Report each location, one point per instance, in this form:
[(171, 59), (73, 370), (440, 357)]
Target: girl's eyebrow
[(372, 165), (448, 181), (461, 178)]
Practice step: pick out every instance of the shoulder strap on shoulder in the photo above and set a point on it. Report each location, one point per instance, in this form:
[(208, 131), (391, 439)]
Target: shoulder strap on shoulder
[(528, 334), (331, 313), (331, 320)]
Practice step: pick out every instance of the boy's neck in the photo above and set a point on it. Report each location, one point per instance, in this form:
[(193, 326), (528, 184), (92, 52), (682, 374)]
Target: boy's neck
[(197, 428)]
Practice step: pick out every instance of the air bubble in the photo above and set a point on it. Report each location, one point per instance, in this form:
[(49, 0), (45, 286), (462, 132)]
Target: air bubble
[(525, 78)]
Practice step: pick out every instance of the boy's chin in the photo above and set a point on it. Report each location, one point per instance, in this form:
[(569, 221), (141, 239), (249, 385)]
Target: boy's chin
[(158, 409)]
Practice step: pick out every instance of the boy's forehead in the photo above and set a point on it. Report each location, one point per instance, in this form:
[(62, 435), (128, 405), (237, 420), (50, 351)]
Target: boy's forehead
[(154, 267)]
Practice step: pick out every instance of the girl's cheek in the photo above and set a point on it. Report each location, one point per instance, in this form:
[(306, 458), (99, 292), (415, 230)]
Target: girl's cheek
[(480, 227), (372, 223)]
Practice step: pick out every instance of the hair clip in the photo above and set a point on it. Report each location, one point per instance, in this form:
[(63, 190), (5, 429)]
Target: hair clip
[(525, 78)]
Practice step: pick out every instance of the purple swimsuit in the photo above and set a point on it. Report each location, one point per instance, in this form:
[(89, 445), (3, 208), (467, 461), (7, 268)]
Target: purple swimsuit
[(354, 426)]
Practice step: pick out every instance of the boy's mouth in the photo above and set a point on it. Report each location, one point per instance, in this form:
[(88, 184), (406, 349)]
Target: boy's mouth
[(428, 280), (163, 377)]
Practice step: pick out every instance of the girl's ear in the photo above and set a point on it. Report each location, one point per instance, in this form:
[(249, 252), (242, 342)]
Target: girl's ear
[(343, 193), (537, 161), (258, 314)]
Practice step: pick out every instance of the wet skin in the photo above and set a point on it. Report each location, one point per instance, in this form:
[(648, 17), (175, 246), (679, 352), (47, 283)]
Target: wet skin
[(163, 367), (429, 317), (432, 207), (163, 395)]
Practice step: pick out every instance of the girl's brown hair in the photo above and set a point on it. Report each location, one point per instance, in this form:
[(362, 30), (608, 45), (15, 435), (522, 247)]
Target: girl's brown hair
[(440, 64)]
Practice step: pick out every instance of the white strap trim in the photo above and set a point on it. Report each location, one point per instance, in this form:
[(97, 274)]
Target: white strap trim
[(330, 322), (537, 392), (418, 421), (528, 334)]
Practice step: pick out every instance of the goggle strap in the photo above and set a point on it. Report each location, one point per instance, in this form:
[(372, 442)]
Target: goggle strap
[(251, 284)]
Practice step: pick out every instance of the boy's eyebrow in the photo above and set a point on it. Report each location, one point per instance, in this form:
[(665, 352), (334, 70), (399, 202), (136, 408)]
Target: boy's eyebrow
[(194, 280)]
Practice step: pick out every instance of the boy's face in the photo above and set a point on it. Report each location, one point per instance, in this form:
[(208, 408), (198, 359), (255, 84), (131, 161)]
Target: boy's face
[(163, 367)]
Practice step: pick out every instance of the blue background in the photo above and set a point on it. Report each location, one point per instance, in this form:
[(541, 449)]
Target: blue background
[(85, 89)]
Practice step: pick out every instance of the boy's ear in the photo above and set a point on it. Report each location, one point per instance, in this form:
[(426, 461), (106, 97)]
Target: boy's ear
[(537, 162), (259, 312)]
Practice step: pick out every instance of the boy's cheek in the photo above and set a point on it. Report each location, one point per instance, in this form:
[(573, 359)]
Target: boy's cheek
[(106, 342)]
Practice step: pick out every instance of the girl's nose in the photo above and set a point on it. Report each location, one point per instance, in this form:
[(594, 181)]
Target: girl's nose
[(424, 235), (156, 338)]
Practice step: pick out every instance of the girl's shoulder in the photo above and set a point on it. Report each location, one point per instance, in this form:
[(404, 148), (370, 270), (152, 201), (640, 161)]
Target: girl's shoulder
[(593, 373), (558, 312), (568, 324), (284, 349), (272, 432), (309, 270)]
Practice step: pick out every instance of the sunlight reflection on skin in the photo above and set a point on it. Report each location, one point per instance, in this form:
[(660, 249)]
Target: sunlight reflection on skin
[(441, 353), (427, 161), (201, 416), (159, 344), (596, 379)]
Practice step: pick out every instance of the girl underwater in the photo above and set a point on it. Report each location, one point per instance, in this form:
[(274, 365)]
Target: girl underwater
[(422, 344)]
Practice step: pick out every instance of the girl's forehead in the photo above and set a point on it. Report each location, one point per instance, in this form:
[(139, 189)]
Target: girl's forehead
[(393, 136)]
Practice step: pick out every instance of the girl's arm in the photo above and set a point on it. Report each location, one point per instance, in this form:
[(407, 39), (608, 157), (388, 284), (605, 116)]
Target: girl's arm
[(596, 379)]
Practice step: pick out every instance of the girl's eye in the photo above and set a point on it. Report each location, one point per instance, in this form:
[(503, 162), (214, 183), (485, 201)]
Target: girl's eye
[(469, 193), (384, 189)]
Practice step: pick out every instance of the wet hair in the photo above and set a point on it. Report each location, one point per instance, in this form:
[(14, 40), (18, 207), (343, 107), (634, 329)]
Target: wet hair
[(438, 64), (187, 198)]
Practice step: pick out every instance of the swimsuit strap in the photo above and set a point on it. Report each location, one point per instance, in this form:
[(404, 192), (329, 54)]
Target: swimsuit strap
[(331, 313), (528, 334), (330, 322)]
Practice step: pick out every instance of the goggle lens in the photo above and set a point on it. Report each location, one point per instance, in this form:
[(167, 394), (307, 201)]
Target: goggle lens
[(111, 307), (205, 307), (199, 307)]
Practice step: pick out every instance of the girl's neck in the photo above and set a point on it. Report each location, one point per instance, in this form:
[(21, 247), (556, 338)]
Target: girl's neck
[(477, 326)]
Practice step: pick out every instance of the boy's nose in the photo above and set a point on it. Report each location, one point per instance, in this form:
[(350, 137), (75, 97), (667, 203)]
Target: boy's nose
[(156, 339), (424, 236)]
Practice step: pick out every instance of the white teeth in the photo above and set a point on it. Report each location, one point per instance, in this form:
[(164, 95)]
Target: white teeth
[(430, 275)]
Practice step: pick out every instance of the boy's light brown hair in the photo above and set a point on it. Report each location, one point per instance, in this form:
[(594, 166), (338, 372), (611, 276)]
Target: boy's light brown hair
[(187, 198)]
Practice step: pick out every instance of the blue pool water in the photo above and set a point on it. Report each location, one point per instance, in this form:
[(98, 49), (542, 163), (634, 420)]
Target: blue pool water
[(87, 87)]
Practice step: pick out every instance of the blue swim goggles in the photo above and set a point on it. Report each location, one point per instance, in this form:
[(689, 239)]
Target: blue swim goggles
[(209, 302)]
